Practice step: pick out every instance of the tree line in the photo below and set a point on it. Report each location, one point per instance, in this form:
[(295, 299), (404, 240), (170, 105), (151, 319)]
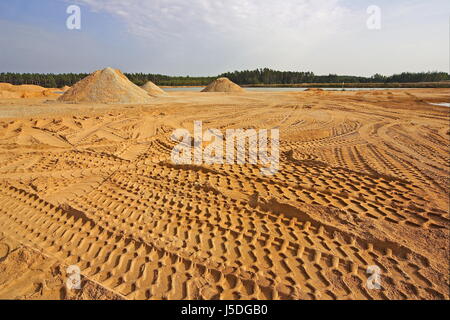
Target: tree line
[(247, 77), (268, 76)]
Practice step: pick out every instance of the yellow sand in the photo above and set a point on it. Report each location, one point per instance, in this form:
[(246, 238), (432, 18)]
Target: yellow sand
[(363, 181), (105, 86), (223, 85), (9, 91), (153, 90)]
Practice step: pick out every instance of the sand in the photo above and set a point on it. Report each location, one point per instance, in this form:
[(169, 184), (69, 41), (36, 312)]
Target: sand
[(223, 85), (315, 90), (363, 181), (153, 90), (105, 86), (9, 91)]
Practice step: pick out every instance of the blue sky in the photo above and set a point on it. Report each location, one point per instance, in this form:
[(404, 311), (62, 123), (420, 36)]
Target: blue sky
[(208, 37)]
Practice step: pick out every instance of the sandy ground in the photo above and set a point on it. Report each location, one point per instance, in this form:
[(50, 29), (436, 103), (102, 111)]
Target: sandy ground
[(363, 181)]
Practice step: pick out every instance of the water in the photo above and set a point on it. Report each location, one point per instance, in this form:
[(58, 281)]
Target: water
[(283, 89), (442, 104), (279, 89), (195, 89)]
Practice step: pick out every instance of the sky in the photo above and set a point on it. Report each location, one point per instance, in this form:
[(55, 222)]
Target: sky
[(209, 37)]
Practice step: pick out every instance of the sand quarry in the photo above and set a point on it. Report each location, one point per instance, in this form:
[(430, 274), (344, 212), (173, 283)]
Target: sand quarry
[(363, 181)]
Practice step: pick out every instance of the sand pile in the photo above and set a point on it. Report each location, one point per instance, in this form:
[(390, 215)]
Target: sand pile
[(153, 90), (223, 85), (106, 86), (9, 91)]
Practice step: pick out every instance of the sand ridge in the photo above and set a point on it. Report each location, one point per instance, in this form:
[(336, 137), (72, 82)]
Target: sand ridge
[(9, 91), (363, 181)]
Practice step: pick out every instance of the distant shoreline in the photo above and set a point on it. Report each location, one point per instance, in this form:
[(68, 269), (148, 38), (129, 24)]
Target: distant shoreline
[(162, 87), (406, 85), (355, 85)]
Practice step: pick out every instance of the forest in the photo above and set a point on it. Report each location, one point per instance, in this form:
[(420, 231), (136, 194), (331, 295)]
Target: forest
[(259, 77)]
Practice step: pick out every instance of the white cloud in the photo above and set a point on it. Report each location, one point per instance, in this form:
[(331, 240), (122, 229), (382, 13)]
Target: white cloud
[(222, 17), (208, 37), (255, 31)]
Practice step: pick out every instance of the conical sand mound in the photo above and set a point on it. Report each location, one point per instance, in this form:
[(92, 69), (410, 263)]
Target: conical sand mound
[(153, 90), (106, 86), (223, 85)]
